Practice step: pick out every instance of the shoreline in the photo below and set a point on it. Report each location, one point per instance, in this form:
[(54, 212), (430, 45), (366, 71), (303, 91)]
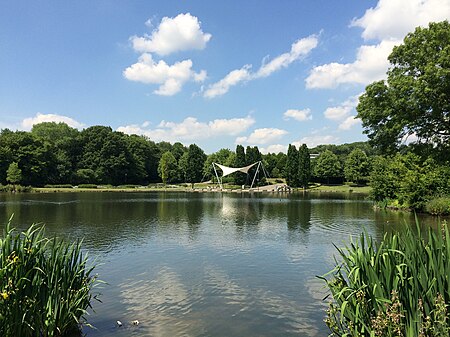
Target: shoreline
[(271, 189)]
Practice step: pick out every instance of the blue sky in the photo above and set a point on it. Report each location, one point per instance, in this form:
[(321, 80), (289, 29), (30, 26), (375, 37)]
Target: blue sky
[(214, 73)]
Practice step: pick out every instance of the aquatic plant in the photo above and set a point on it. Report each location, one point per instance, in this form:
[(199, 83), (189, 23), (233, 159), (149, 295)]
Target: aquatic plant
[(399, 286), (45, 284)]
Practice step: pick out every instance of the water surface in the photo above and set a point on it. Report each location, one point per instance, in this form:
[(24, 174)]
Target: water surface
[(207, 264)]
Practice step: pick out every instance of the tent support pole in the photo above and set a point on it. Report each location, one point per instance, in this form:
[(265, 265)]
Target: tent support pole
[(254, 177), (217, 176)]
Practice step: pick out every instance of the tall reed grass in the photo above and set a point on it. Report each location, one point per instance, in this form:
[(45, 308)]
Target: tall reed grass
[(45, 284), (397, 287)]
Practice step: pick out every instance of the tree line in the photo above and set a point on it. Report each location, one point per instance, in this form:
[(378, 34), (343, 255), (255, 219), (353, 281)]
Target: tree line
[(55, 153)]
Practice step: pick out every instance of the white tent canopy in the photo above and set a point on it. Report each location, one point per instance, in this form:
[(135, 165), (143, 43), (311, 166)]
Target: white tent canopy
[(229, 170)]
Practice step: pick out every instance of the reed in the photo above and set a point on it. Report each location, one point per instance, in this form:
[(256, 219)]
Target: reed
[(45, 284), (397, 287)]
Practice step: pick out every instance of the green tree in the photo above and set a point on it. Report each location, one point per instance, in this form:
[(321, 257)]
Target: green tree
[(167, 168), (291, 170), (64, 144), (356, 166), (415, 98), (195, 162), (240, 161), (304, 166), (14, 174), (327, 166)]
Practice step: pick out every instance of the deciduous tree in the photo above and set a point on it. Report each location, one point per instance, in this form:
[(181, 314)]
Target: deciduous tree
[(414, 101)]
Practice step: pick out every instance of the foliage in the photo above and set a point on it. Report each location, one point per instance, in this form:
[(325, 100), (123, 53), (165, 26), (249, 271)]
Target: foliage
[(45, 284), (87, 186), (14, 173), (327, 166), (167, 167), (356, 166), (304, 166), (291, 170), (397, 287), (195, 161), (15, 188), (407, 182), (415, 99), (240, 161), (58, 186), (438, 206)]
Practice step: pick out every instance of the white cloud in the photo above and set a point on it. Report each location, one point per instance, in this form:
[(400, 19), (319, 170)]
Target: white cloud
[(262, 136), (274, 148), (393, 19), (314, 140), (370, 65), (387, 23), (182, 32), (191, 129), (342, 110), (299, 49), (28, 123), (234, 77), (170, 77), (349, 122), (299, 115)]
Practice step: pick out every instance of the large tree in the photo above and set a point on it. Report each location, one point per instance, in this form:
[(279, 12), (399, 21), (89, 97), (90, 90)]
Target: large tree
[(327, 166), (195, 161), (356, 166), (291, 170), (304, 166), (414, 101), (240, 161), (167, 168)]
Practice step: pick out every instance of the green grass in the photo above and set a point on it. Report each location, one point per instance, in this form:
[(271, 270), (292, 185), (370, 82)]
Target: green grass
[(342, 189), (45, 284), (397, 287)]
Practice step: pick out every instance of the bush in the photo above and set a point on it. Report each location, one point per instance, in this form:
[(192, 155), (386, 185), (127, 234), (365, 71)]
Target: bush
[(398, 287), (45, 284), (16, 188), (59, 186), (438, 206), (87, 186)]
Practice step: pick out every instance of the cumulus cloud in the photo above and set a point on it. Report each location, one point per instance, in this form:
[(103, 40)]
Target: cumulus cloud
[(170, 77), (370, 65), (349, 122), (262, 136), (190, 129), (27, 123), (180, 33), (315, 140), (342, 110), (387, 23), (393, 19), (299, 115), (274, 148), (299, 49)]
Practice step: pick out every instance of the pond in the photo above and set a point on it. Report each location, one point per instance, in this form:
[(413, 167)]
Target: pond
[(207, 264)]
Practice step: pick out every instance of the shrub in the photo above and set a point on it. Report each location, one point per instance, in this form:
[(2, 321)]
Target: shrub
[(87, 186), (438, 206), (59, 186), (16, 188), (397, 287), (45, 284)]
